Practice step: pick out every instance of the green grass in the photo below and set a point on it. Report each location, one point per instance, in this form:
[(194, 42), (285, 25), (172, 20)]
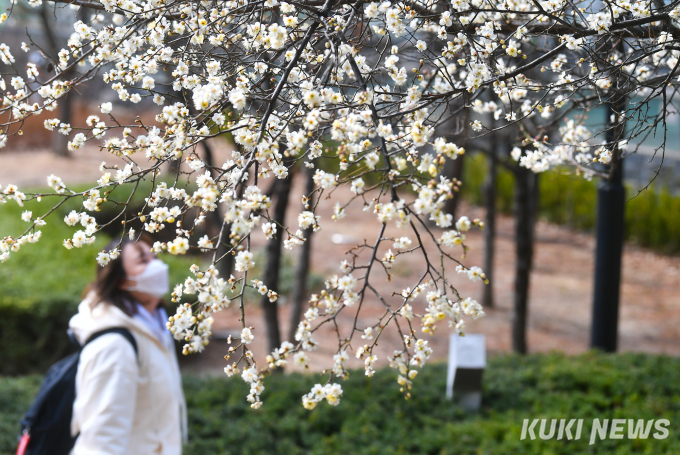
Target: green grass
[(62, 273), (373, 417)]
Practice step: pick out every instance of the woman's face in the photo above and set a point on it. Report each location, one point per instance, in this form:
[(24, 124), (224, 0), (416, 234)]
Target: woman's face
[(135, 257)]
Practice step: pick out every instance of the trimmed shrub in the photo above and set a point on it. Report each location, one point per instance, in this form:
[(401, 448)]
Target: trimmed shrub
[(373, 417)]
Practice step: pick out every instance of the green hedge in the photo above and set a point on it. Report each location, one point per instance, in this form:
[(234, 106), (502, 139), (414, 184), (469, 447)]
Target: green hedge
[(652, 217), (16, 395), (373, 417)]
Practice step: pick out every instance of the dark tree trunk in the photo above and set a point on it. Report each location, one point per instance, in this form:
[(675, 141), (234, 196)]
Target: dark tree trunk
[(65, 103), (490, 223), (214, 218), (454, 171), (271, 274), (299, 292), (60, 141), (52, 45), (526, 201), (213, 223), (610, 230)]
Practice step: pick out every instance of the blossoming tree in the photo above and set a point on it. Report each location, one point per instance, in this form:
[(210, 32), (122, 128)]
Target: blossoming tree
[(365, 86)]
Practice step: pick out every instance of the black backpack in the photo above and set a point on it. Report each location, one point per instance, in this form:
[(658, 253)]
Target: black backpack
[(46, 427)]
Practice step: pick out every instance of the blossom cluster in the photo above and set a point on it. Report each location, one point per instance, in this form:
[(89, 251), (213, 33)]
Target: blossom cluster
[(374, 100)]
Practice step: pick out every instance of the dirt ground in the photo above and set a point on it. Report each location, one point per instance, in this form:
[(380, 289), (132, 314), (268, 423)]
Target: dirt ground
[(561, 282)]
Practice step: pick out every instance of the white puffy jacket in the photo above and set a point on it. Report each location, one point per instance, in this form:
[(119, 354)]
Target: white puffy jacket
[(125, 405)]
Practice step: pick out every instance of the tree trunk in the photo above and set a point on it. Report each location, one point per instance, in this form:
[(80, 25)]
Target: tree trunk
[(526, 201), (213, 223), (455, 171), (59, 141), (299, 292), (610, 230), (490, 224), (271, 274), (65, 103)]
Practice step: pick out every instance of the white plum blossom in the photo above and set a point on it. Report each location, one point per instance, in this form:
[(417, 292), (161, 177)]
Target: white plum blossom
[(474, 273), (307, 220), (358, 186), (247, 335), (244, 261), (463, 224), (402, 243), (301, 359), (325, 180)]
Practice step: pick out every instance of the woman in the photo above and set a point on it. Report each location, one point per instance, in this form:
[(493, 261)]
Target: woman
[(127, 403)]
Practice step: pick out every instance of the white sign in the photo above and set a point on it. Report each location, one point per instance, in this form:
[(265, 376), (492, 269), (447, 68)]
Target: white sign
[(464, 352)]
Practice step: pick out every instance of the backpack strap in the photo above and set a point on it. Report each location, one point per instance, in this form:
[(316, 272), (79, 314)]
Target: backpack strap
[(119, 330)]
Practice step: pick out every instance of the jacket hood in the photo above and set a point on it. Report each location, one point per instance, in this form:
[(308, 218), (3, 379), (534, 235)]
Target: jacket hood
[(93, 317)]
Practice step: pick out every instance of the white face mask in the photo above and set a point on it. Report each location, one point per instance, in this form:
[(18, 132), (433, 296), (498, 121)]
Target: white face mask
[(154, 280)]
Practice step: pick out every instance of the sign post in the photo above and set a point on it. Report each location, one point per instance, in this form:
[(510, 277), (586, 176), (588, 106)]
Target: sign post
[(467, 360)]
